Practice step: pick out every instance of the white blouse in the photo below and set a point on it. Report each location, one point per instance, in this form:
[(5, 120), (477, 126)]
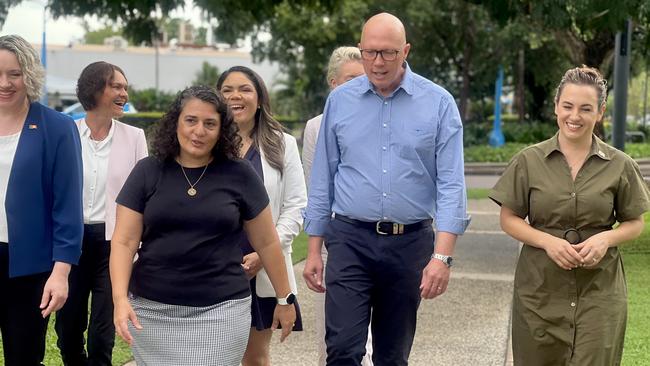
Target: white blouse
[(95, 168), (8, 146)]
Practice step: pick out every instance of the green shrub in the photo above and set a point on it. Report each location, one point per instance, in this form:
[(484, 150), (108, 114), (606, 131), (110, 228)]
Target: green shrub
[(485, 153), (151, 99), (489, 154), (506, 118), (639, 150), (525, 133), (146, 121)]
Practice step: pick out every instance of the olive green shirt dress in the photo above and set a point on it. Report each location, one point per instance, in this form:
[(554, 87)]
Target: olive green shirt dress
[(575, 317)]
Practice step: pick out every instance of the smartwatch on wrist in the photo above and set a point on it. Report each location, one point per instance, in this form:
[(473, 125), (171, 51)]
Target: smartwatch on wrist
[(288, 300)]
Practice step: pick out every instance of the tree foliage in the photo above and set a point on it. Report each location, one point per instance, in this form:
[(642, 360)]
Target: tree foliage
[(208, 75), (457, 43)]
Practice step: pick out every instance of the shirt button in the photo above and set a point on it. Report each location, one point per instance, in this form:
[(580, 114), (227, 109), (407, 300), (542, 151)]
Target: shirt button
[(385, 103), (573, 304), (384, 194), (385, 218), (385, 125), (573, 194), (384, 171), (383, 148)]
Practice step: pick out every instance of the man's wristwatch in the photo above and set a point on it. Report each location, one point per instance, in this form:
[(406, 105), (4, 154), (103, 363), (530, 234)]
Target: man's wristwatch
[(289, 300), (446, 259)]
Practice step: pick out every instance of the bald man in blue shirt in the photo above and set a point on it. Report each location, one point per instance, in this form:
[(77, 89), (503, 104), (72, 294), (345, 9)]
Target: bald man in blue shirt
[(389, 159)]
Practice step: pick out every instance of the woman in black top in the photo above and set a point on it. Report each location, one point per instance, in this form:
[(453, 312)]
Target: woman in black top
[(188, 205)]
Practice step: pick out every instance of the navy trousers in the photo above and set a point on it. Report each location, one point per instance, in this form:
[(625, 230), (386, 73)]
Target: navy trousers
[(21, 324), (91, 276), (378, 276)]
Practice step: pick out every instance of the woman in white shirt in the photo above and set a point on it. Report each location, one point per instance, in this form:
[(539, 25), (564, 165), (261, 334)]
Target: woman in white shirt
[(274, 156), (110, 150)]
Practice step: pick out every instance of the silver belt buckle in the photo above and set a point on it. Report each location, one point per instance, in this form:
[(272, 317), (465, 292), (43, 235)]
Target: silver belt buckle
[(379, 230)]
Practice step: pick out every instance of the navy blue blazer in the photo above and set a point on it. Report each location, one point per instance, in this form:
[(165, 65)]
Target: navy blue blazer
[(44, 194)]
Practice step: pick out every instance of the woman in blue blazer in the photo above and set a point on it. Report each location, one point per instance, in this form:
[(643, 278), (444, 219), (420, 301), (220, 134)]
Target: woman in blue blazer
[(41, 222)]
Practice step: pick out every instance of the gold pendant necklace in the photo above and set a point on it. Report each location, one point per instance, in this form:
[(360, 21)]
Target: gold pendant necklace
[(192, 191)]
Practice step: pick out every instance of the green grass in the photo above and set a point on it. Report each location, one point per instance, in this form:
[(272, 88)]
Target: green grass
[(121, 352), (636, 259), (477, 193), (299, 248)]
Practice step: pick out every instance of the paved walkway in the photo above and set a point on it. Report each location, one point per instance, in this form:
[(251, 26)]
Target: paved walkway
[(469, 325)]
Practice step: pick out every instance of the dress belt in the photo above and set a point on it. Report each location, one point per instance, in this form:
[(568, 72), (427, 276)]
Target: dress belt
[(573, 235), (385, 227)]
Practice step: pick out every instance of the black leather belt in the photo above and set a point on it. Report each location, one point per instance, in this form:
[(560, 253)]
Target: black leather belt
[(385, 227), (572, 235)]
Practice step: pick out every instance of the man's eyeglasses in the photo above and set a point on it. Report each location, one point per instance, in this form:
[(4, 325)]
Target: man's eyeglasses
[(386, 55)]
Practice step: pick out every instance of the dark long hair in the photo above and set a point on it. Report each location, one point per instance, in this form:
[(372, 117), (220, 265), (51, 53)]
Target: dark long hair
[(165, 141), (267, 132)]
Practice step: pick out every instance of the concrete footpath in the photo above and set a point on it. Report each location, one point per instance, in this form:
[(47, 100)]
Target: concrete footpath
[(468, 325)]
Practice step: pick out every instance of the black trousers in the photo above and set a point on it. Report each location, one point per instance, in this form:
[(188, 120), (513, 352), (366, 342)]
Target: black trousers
[(91, 276), (21, 324), (372, 275)]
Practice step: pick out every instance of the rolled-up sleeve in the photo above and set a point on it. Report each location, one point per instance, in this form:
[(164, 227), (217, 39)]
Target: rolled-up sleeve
[(451, 196), (321, 185)]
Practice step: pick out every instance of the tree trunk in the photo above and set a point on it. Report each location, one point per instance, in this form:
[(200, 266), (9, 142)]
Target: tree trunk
[(520, 91), (464, 90)]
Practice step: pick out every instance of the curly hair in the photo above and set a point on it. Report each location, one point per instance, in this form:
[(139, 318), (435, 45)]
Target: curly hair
[(165, 143), (30, 64), (93, 80), (267, 133)]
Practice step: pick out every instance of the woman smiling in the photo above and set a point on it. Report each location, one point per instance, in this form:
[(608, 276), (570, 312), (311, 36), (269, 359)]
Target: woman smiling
[(189, 205)]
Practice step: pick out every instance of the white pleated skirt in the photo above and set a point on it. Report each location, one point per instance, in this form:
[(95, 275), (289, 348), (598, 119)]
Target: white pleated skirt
[(178, 335)]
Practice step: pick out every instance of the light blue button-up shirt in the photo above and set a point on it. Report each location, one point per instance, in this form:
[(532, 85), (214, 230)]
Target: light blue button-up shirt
[(397, 158)]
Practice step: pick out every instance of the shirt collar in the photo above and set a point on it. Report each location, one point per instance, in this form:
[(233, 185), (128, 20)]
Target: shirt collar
[(598, 147), (406, 84), (84, 130)]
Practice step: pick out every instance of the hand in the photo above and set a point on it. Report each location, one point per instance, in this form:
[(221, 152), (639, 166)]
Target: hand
[(593, 249), (313, 272), (284, 315), (563, 254), (55, 292), (122, 314), (251, 264), (435, 279)]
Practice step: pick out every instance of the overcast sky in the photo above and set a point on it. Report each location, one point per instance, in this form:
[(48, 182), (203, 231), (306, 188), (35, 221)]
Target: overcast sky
[(26, 20)]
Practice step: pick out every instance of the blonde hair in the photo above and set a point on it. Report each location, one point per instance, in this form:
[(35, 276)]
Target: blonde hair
[(340, 56), (30, 64), (584, 75)]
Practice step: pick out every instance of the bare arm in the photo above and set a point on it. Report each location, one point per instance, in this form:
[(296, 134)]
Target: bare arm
[(124, 245), (264, 239), (559, 250)]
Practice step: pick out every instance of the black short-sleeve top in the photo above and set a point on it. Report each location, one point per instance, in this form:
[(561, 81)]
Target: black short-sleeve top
[(190, 253)]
